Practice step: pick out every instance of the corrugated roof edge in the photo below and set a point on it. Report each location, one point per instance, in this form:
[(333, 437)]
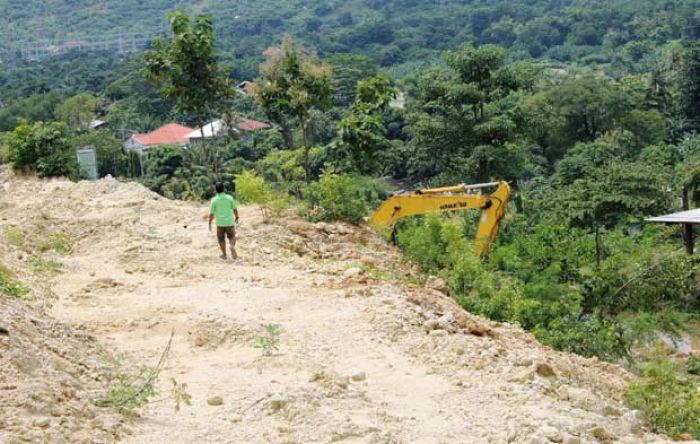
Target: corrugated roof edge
[(681, 217)]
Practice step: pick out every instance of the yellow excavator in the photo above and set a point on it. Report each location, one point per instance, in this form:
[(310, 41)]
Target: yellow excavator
[(453, 198)]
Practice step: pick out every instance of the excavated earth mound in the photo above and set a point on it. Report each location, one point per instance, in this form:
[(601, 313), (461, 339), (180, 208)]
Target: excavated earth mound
[(48, 377), (366, 351), (49, 372)]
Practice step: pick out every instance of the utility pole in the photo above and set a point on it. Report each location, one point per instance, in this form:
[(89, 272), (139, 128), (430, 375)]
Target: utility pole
[(686, 229)]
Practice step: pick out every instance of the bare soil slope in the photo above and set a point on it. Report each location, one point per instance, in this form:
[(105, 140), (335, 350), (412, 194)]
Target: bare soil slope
[(364, 357)]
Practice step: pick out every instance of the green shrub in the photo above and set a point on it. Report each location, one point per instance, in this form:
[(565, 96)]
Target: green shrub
[(529, 282), (41, 265), (280, 203), (542, 303), (14, 236), (10, 287), (239, 165), (493, 296), (58, 242), (255, 146), (131, 390), (163, 160), (438, 244), (43, 147), (338, 197), (586, 337), (546, 252), (251, 188), (59, 163), (374, 191), (282, 167), (422, 240), (693, 365), (466, 274), (641, 280), (671, 404), (285, 168), (193, 183), (642, 329)]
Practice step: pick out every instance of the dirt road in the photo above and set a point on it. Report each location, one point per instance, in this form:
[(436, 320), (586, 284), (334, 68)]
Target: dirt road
[(363, 356)]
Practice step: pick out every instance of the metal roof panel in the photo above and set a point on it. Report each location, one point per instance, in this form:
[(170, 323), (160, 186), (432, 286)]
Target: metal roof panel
[(682, 217)]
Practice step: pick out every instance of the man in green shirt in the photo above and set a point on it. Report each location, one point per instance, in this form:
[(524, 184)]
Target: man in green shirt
[(223, 209)]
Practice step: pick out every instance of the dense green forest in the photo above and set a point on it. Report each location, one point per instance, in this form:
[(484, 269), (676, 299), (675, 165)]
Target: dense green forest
[(589, 109), (622, 35)]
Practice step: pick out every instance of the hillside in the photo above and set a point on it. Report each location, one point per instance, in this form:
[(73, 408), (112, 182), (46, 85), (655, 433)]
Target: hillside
[(391, 32), (363, 357)]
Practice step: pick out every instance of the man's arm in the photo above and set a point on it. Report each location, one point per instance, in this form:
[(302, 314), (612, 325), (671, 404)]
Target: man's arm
[(211, 213), (235, 213)]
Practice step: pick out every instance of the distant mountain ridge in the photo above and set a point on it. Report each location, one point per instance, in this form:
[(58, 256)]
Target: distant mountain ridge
[(397, 27)]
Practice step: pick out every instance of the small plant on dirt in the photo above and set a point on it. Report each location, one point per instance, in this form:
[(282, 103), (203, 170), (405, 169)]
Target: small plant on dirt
[(41, 265), (269, 342), (10, 287), (133, 390), (179, 394), (58, 242), (111, 360), (693, 365), (14, 236), (389, 273)]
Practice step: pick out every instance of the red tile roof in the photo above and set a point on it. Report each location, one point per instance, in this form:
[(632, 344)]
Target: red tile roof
[(250, 125), (172, 133)]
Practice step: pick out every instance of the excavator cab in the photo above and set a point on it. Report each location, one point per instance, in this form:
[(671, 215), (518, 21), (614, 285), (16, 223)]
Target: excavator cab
[(453, 198)]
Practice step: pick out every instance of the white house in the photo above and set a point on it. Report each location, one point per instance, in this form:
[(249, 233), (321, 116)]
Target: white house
[(218, 128), (98, 124)]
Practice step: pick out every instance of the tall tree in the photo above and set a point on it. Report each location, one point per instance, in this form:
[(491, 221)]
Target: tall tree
[(78, 111), (361, 131), (187, 69), (616, 192), (578, 110), (461, 122), (292, 85), (690, 85), (36, 108), (348, 69), (601, 184)]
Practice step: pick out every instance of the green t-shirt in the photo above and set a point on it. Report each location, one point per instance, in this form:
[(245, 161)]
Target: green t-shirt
[(222, 206)]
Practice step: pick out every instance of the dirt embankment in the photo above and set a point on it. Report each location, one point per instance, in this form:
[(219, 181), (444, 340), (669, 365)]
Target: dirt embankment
[(366, 354)]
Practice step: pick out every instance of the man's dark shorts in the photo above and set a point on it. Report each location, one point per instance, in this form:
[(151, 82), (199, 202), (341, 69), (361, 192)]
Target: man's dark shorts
[(225, 232)]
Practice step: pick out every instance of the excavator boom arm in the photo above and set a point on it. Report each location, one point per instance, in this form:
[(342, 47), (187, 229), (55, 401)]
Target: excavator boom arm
[(441, 200), (397, 207)]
